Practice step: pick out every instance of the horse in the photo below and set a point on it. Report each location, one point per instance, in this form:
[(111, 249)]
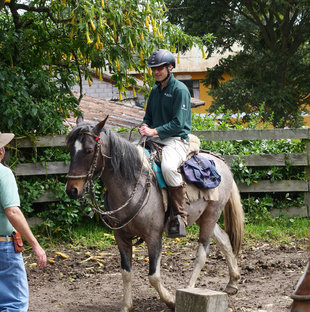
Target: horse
[(134, 205), (301, 295)]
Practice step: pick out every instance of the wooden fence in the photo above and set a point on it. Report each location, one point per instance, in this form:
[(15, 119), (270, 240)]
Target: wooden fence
[(295, 159)]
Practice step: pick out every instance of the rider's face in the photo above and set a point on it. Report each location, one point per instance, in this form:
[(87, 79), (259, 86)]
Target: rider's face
[(160, 72)]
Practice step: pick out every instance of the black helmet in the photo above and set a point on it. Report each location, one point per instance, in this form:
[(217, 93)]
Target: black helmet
[(161, 57)]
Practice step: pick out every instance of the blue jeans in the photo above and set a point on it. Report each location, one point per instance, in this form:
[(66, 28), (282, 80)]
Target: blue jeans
[(14, 294)]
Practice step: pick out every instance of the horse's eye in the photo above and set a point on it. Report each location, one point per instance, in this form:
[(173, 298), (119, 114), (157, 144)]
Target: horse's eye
[(89, 151)]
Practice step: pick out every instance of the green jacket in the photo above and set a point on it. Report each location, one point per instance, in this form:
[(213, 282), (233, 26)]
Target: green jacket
[(169, 110)]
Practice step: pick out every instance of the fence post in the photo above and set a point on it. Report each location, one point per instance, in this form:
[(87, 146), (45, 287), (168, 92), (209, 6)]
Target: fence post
[(307, 169)]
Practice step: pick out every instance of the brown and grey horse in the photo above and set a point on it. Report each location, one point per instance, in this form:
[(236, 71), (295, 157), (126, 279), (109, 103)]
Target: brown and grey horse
[(134, 205)]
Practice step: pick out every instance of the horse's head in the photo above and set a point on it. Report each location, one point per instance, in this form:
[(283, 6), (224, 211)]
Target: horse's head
[(85, 143)]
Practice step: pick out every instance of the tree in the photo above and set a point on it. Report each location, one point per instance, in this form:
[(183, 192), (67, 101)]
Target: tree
[(47, 46), (272, 66)]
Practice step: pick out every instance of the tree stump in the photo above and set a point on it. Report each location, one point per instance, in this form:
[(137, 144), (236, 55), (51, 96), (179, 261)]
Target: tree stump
[(200, 300)]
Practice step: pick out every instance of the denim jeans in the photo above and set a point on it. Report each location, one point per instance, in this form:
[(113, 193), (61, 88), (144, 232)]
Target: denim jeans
[(14, 294)]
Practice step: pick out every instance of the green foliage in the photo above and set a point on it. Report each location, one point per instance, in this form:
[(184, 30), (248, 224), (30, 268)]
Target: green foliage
[(31, 103), (47, 47), (30, 190), (271, 64), (62, 211), (256, 207), (282, 91)]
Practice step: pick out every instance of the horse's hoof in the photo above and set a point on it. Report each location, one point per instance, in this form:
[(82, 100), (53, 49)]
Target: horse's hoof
[(126, 309), (231, 289), (171, 305)]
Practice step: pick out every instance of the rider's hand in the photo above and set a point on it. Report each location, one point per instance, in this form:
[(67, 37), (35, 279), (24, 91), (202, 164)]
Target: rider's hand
[(145, 130)]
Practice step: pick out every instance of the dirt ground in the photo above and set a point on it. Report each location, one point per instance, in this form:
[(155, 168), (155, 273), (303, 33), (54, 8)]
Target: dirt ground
[(90, 280)]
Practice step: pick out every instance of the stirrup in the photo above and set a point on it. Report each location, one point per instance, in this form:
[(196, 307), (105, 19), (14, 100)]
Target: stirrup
[(175, 227)]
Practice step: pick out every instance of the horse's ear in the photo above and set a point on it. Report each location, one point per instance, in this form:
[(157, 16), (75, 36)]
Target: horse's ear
[(79, 119), (99, 126)]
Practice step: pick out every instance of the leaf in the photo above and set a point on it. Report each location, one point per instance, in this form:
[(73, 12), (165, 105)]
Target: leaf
[(62, 255)]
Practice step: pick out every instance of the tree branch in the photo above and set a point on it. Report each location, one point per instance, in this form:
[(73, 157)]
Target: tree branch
[(259, 23), (42, 10)]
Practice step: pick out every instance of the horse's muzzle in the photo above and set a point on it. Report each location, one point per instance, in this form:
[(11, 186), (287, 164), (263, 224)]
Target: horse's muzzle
[(73, 193), (75, 188)]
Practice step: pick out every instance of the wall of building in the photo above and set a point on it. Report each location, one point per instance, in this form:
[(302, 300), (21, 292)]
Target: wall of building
[(203, 90), (101, 89)]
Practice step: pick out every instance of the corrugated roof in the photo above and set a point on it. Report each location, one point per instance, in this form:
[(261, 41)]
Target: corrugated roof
[(120, 115)]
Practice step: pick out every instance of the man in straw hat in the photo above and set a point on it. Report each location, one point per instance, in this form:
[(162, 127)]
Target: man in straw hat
[(14, 295)]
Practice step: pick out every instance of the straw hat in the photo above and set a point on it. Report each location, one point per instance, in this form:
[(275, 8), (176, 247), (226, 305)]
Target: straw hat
[(5, 138)]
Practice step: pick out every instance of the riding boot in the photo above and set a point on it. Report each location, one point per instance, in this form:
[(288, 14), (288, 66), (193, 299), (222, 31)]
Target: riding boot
[(178, 218)]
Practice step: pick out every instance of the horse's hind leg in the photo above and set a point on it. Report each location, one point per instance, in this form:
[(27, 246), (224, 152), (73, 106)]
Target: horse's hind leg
[(154, 250), (206, 222), (222, 240), (201, 256)]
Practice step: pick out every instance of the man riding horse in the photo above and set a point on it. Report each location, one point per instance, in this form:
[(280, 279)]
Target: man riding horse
[(168, 122)]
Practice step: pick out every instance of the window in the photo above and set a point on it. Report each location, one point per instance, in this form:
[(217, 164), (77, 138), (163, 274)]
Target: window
[(193, 87)]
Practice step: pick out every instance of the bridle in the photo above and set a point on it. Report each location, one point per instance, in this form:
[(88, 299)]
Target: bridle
[(93, 165), (89, 187)]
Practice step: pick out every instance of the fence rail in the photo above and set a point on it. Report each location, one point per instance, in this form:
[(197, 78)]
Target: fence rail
[(295, 159)]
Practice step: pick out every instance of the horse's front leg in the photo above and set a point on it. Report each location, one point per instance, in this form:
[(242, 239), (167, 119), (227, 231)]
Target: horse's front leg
[(125, 249), (154, 250)]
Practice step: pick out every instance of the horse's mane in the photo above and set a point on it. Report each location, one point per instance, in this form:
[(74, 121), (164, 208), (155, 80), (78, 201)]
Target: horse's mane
[(125, 157)]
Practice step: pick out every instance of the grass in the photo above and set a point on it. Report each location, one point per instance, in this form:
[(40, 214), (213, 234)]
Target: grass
[(92, 233), (277, 231)]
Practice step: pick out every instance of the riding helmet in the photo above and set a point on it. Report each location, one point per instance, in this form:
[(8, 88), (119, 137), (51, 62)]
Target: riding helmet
[(161, 57)]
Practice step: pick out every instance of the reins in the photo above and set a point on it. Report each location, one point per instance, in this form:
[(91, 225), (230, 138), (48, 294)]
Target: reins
[(90, 188)]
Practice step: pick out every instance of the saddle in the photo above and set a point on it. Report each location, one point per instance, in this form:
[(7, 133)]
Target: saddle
[(196, 169)]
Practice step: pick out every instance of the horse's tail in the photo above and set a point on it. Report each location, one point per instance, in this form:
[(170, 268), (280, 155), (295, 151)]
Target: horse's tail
[(234, 219)]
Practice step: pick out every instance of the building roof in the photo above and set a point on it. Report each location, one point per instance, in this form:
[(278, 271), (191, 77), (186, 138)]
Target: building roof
[(192, 61), (120, 115)]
